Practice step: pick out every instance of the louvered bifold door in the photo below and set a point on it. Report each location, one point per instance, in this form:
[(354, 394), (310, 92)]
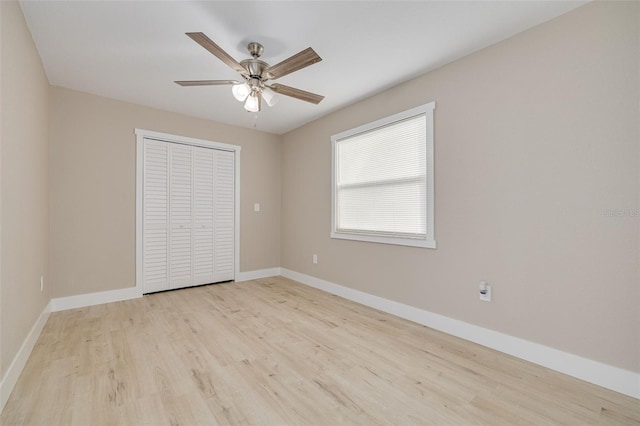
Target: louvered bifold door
[(224, 216), (188, 216), (155, 229), (204, 183), (180, 215)]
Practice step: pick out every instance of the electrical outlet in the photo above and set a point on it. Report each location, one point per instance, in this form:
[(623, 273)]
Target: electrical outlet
[(256, 207), (315, 258)]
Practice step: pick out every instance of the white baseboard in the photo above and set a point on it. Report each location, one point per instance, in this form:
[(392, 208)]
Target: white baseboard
[(260, 273), (91, 299), (20, 360), (607, 376)]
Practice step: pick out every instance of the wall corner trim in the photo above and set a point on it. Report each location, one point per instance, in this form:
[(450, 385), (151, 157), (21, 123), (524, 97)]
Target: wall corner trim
[(607, 376), (20, 360)]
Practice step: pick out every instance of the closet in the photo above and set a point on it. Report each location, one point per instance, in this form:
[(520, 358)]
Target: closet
[(188, 215)]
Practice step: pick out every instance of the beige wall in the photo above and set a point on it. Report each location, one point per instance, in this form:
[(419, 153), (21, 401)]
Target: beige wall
[(24, 208), (92, 189), (536, 138)]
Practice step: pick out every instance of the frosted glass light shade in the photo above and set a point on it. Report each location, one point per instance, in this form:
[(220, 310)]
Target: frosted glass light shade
[(252, 104), (269, 96), (241, 91)]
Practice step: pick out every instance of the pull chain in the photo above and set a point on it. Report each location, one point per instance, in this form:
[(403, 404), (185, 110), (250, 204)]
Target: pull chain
[(255, 120)]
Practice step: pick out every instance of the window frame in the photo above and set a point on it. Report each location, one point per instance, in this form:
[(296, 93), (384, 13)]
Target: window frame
[(429, 241)]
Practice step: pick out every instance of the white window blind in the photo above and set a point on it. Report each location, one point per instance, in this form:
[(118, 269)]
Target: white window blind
[(383, 180)]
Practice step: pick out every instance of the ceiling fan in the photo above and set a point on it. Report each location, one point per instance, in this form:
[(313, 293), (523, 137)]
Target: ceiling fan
[(255, 74)]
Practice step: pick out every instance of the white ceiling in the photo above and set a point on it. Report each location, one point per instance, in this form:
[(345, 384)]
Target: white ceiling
[(134, 50)]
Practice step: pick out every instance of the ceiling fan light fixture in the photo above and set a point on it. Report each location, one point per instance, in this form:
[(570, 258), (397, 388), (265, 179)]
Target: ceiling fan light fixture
[(269, 96), (253, 103), (241, 91)]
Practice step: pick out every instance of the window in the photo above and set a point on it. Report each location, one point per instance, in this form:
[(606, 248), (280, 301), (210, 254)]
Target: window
[(383, 180)]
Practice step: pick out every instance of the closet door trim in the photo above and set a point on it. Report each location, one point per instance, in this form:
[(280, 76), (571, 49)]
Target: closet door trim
[(141, 135)]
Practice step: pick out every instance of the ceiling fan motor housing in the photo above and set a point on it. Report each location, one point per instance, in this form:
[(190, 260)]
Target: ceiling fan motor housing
[(255, 68)]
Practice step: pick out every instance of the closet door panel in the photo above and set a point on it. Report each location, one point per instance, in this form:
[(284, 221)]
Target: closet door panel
[(155, 236), (204, 184), (181, 211), (224, 216)]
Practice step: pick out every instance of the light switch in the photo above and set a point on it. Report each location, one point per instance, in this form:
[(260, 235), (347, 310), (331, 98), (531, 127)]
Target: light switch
[(256, 207)]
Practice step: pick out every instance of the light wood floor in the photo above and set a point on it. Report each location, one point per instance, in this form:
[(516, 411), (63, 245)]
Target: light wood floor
[(275, 352)]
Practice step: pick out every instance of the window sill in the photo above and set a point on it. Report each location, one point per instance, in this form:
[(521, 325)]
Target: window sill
[(385, 240)]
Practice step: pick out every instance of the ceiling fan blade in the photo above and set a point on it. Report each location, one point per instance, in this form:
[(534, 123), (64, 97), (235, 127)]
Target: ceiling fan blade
[(296, 93), (206, 82), (298, 61), (217, 51)]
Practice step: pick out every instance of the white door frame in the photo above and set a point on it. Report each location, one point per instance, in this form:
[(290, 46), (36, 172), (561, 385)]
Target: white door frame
[(142, 134)]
